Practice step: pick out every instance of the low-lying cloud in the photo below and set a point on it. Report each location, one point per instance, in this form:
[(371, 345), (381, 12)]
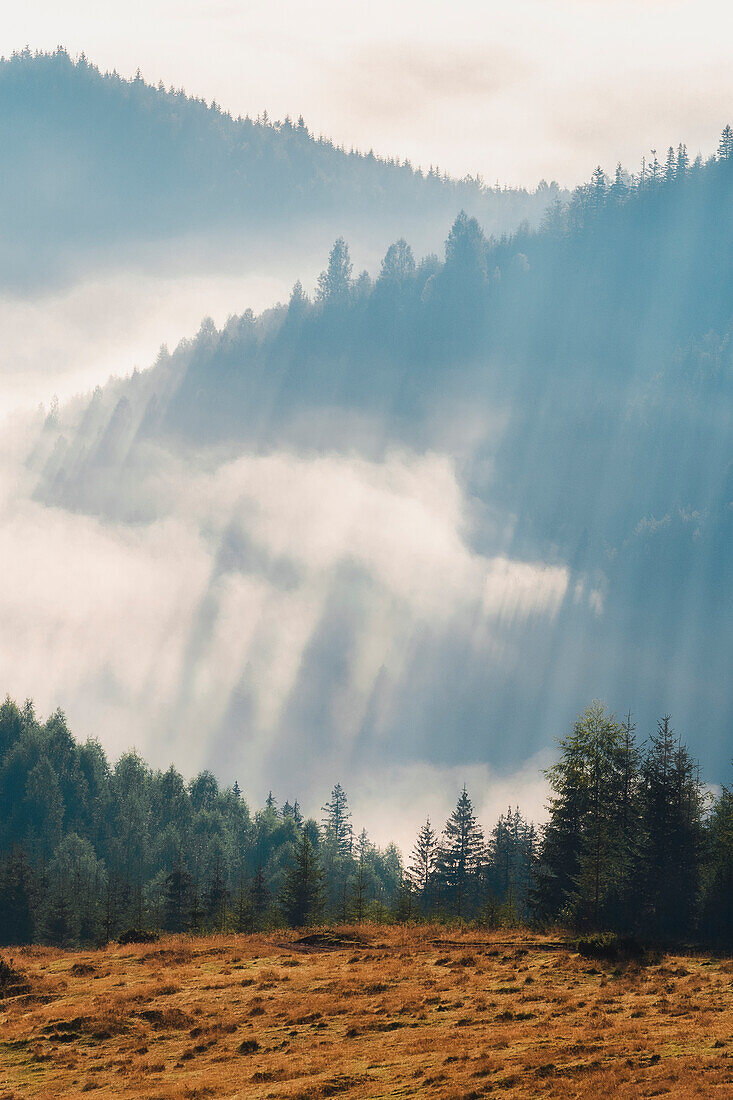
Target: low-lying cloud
[(274, 621)]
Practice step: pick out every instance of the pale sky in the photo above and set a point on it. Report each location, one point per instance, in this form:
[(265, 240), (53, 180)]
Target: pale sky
[(514, 91)]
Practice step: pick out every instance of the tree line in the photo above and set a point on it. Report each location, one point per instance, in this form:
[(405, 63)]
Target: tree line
[(134, 161), (91, 851)]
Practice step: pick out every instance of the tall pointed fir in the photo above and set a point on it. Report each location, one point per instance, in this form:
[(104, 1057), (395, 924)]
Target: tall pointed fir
[(512, 858), (178, 893), (421, 872), (302, 896), (461, 858), (673, 812), (581, 853), (336, 849), (717, 909)]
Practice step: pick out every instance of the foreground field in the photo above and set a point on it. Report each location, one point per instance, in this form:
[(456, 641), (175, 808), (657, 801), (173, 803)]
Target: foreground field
[(368, 1012)]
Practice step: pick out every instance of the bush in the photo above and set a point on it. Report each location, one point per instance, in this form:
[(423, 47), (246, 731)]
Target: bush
[(138, 935), (609, 946)]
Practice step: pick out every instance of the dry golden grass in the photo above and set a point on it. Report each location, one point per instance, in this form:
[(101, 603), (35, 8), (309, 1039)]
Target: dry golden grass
[(394, 1013)]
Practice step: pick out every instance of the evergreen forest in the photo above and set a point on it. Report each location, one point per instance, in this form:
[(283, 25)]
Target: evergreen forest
[(634, 843)]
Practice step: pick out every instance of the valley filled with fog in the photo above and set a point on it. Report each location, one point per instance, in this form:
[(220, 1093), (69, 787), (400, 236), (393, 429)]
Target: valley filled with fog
[(397, 525)]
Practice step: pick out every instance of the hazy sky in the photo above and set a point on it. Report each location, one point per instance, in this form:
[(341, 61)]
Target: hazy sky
[(514, 91)]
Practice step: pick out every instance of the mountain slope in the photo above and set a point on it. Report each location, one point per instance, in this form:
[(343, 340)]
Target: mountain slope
[(96, 167), (465, 497)]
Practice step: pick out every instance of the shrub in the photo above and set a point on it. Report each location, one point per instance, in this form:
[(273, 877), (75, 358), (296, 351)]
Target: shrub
[(138, 935), (609, 946)]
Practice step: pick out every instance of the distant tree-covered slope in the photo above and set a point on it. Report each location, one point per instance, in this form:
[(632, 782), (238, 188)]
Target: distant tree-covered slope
[(604, 332), (94, 165), (581, 377)]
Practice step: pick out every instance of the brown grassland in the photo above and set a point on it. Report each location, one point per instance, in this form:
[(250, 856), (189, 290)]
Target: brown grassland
[(367, 1012)]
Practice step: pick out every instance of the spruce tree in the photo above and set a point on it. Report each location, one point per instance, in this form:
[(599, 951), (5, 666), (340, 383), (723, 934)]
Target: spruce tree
[(216, 895), (582, 851), (717, 909), (259, 898), (725, 145), (302, 896), (460, 858), (336, 850), (16, 888), (334, 283), (423, 862), (337, 821), (672, 808), (177, 898), (511, 867)]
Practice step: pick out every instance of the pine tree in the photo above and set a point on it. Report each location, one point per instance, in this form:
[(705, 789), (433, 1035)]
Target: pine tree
[(259, 898), (302, 896), (599, 187), (298, 304), (670, 166), (216, 895), (623, 903), (292, 813), (619, 188), (579, 868), (717, 910), (361, 877), (725, 145), (16, 887), (423, 864), (461, 857), (512, 864), (177, 898), (11, 725), (243, 912), (398, 265), (683, 161), (672, 810), (196, 910), (337, 821), (334, 284), (57, 916)]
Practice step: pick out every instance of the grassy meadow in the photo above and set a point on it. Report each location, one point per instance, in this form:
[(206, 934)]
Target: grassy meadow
[(362, 1012)]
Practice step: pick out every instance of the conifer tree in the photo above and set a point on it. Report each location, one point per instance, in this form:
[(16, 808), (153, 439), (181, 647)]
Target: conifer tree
[(177, 898), (673, 806), (16, 885), (461, 858), (334, 283), (243, 914), (512, 863), (216, 895), (259, 897), (302, 897), (337, 821), (423, 864), (725, 145), (717, 913), (581, 854)]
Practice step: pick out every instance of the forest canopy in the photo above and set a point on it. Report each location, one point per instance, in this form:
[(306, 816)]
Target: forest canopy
[(90, 851)]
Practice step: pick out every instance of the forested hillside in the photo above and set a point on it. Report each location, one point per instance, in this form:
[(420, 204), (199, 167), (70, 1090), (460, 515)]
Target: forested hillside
[(103, 171), (579, 380)]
